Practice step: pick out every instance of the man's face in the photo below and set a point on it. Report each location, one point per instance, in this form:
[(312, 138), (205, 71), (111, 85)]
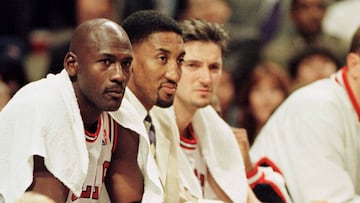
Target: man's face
[(308, 16), (103, 69), (201, 73), (156, 69)]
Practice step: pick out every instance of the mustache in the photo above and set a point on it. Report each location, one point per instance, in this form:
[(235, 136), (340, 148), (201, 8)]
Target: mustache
[(120, 88)]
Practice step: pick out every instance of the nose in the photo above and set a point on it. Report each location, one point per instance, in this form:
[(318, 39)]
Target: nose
[(205, 76), (173, 72), (118, 74)]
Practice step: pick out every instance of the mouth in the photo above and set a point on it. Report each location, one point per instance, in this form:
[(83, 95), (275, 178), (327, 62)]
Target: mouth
[(204, 91), (116, 93), (169, 88)]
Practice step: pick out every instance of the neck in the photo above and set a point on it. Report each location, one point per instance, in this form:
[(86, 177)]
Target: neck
[(184, 116), (144, 100), (88, 111), (354, 85), (90, 119)]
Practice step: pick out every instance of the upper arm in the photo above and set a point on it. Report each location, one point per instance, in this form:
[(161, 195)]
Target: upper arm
[(124, 180), (45, 183)]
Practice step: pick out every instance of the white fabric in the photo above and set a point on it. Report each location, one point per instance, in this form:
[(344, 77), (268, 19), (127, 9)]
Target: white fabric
[(341, 19), (314, 137), (42, 119), (220, 150), (268, 175), (153, 191)]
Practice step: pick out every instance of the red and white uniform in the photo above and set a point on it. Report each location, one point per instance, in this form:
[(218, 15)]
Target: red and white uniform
[(100, 146), (314, 138), (192, 151)]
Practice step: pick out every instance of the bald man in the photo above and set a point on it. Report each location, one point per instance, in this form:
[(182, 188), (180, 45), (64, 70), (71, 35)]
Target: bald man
[(57, 137)]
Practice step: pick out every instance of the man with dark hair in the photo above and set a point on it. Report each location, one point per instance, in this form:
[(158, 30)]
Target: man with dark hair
[(57, 137), (156, 69), (204, 137), (313, 137)]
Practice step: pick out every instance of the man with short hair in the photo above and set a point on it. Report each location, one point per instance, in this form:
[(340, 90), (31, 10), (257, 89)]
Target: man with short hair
[(156, 69), (57, 137), (210, 162)]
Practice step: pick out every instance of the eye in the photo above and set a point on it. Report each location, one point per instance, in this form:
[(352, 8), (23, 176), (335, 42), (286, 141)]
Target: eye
[(162, 58), (214, 67), (106, 62), (180, 60), (126, 64), (191, 64)]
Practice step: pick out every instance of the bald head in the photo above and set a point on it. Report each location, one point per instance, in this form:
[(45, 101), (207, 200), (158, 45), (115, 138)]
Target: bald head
[(93, 32), (98, 64)]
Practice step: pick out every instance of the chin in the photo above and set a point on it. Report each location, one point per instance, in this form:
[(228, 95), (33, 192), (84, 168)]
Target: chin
[(202, 104), (165, 103), (112, 107)]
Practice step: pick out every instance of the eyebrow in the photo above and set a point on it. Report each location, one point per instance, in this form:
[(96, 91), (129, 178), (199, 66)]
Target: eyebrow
[(182, 53), (112, 56), (164, 50)]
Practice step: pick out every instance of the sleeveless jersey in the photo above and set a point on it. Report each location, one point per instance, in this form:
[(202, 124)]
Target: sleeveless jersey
[(192, 151), (100, 146)]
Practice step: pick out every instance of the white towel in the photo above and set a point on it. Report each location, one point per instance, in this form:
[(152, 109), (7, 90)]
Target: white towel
[(43, 119), (220, 150), (153, 192)]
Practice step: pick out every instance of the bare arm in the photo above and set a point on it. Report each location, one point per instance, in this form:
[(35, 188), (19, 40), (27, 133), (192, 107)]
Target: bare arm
[(243, 142), (45, 183), (124, 180)]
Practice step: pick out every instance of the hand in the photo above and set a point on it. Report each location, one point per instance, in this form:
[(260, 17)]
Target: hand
[(243, 142)]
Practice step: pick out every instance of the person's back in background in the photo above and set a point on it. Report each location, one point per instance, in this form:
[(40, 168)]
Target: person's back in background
[(313, 136)]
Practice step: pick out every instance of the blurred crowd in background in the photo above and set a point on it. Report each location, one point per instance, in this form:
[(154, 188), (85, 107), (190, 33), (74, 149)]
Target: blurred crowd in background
[(276, 46)]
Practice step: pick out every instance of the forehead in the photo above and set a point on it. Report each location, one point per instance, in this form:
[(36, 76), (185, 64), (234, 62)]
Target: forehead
[(108, 41), (167, 41), (203, 51)]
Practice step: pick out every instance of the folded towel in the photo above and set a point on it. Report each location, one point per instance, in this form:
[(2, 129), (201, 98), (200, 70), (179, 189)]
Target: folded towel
[(43, 119), (220, 150)]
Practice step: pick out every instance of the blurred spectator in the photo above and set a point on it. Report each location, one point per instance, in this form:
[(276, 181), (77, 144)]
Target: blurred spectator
[(217, 11), (12, 71), (252, 24), (262, 92), (85, 10), (310, 65), (225, 94), (305, 31)]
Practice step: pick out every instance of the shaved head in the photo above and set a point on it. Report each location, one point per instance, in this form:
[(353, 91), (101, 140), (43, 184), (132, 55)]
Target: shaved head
[(98, 64), (92, 33)]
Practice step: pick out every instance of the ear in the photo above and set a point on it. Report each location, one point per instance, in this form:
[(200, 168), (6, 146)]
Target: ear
[(71, 64), (353, 64)]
